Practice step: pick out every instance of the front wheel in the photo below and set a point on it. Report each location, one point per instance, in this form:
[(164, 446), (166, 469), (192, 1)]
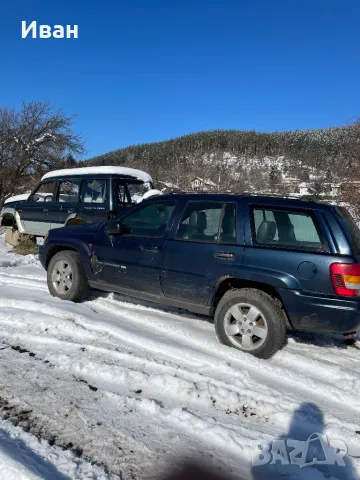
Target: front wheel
[(252, 321), (66, 278), (75, 221)]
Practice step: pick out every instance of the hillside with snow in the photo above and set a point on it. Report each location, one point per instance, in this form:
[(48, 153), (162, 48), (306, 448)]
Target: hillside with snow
[(247, 160)]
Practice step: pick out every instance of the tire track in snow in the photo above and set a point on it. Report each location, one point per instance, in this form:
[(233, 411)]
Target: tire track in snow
[(237, 381), (243, 387), (59, 313), (294, 364), (136, 343), (127, 424), (266, 372)]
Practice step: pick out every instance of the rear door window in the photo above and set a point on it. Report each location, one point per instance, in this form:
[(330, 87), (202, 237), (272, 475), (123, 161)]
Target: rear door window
[(287, 229), (93, 191), (200, 222)]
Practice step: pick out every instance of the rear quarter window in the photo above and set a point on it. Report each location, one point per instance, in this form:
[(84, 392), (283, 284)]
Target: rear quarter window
[(350, 228), (283, 228)]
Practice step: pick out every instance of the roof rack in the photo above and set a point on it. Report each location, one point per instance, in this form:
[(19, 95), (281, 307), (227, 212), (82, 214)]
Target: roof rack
[(311, 198), (201, 192), (304, 198)]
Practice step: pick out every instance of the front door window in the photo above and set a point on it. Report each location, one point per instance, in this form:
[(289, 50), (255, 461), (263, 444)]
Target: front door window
[(150, 220), (68, 191), (136, 191), (128, 192), (44, 193)]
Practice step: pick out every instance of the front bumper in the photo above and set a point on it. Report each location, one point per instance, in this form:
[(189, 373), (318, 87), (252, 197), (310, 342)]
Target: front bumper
[(321, 313)]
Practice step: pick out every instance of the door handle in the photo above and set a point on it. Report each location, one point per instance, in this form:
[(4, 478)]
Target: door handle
[(45, 210), (149, 248), (226, 255)]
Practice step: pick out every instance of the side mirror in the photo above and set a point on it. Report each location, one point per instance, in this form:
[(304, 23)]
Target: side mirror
[(114, 228)]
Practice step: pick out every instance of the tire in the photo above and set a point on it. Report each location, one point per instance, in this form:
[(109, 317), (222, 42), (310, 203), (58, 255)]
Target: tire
[(67, 283), (75, 221), (9, 221), (266, 318)]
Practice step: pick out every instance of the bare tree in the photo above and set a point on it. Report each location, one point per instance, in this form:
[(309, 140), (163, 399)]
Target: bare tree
[(32, 141)]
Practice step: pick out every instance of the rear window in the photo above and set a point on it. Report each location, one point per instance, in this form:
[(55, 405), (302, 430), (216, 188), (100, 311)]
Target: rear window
[(351, 229), (287, 229)]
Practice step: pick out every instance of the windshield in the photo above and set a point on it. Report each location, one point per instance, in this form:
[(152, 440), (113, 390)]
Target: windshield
[(350, 227)]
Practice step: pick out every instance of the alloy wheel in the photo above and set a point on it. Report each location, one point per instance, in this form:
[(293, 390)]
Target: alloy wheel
[(245, 326), (62, 277)]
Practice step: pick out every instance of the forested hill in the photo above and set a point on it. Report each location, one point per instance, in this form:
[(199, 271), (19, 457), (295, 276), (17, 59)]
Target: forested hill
[(231, 157)]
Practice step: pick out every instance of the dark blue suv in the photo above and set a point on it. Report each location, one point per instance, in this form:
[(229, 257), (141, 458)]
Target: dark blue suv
[(259, 264)]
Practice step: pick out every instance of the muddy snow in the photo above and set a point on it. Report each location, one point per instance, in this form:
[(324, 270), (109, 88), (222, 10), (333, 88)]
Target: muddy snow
[(118, 388)]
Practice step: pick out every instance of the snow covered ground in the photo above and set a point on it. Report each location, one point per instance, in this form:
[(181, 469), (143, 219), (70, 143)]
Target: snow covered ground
[(117, 388), (24, 457)]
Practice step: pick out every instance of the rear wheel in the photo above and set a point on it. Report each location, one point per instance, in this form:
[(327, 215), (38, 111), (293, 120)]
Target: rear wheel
[(252, 321), (66, 278)]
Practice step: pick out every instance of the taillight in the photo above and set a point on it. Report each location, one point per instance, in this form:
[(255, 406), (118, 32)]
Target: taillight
[(345, 278)]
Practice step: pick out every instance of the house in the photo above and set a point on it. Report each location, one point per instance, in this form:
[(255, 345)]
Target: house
[(202, 184), (350, 186), (332, 189), (304, 188), (328, 189)]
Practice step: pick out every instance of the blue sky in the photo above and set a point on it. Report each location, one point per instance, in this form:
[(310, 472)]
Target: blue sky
[(149, 70)]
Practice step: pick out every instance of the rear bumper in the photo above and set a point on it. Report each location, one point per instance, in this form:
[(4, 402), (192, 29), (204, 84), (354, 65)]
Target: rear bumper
[(315, 313)]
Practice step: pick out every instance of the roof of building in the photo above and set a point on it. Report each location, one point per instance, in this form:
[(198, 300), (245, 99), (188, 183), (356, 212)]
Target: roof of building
[(206, 181)]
